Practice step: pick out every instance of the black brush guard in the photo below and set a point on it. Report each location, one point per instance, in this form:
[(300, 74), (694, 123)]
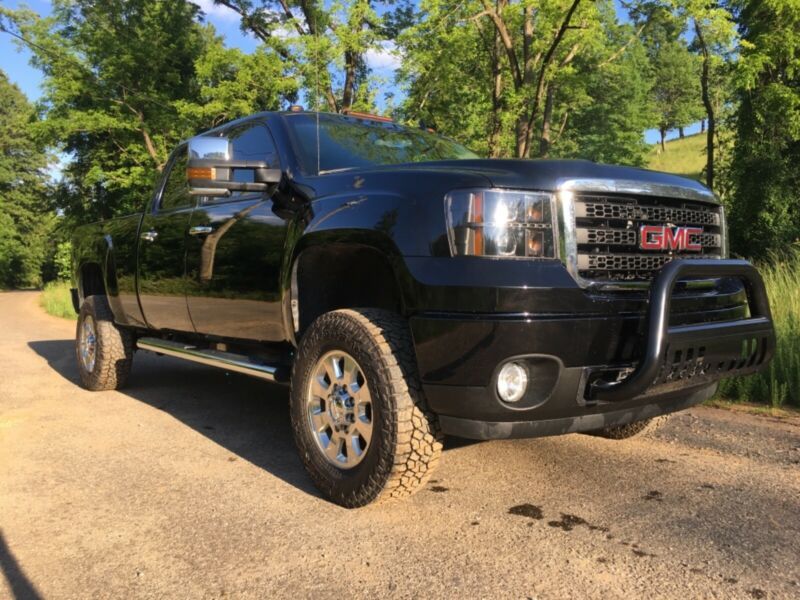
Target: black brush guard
[(697, 353)]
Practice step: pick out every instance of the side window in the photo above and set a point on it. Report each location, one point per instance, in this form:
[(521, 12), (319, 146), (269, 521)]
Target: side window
[(176, 189)]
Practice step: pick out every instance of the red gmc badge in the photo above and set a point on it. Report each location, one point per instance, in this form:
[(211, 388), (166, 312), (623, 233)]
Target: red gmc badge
[(661, 237)]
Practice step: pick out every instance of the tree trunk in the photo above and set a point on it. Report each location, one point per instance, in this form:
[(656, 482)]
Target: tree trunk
[(547, 117), (497, 90), (708, 106), (522, 135), (680, 133), (702, 125), (524, 149), (663, 133), (349, 80)]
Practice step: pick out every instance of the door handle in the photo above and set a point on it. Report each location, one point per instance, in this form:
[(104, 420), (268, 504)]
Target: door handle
[(149, 236), (201, 230)]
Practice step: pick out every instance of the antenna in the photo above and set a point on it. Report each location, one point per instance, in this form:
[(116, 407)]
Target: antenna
[(316, 90)]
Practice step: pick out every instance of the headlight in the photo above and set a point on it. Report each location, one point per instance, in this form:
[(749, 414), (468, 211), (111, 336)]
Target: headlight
[(501, 223)]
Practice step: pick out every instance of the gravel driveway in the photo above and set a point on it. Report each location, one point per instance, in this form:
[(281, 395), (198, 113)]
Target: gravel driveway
[(186, 484)]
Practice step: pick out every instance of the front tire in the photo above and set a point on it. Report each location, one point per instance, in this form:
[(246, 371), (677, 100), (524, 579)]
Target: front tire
[(104, 351), (358, 413)]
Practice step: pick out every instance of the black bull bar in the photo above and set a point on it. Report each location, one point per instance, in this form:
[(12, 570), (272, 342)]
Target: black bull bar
[(701, 352)]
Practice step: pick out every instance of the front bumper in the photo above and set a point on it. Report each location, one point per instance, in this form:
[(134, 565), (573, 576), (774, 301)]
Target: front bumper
[(590, 371)]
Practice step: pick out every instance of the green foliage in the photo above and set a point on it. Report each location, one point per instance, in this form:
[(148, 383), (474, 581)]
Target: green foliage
[(324, 45), (62, 261), (497, 77), (677, 87), (780, 383), (765, 205), (56, 300), (125, 80), (24, 226)]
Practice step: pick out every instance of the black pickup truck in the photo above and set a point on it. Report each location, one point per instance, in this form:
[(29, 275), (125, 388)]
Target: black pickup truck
[(405, 289)]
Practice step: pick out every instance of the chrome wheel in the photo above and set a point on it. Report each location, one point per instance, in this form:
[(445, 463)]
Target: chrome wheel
[(87, 344), (339, 409)]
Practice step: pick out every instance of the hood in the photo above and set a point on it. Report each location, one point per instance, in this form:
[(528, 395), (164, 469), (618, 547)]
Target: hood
[(550, 174)]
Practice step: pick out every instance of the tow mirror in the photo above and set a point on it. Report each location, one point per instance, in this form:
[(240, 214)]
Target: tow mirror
[(212, 172)]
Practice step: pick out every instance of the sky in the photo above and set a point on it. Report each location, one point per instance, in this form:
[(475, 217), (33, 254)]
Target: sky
[(15, 61)]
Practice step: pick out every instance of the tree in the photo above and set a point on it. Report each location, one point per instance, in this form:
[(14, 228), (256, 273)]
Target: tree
[(24, 223), (676, 90), (528, 78), (325, 43), (765, 207), (124, 81), (608, 127), (714, 41)]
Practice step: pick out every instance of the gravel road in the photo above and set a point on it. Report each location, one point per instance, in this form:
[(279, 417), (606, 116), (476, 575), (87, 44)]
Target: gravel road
[(186, 484)]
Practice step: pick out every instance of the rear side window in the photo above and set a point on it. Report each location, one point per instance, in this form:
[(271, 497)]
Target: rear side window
[(254, 142), (176, 189)]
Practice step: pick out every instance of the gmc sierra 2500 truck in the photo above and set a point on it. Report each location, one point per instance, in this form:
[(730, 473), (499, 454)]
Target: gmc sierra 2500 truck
[(405, 289)]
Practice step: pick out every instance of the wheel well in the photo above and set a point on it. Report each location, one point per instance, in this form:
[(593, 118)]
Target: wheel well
[(343, 276), (91, 282)]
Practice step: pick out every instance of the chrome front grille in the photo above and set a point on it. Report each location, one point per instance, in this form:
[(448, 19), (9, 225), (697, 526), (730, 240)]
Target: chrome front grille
[(607, 234)]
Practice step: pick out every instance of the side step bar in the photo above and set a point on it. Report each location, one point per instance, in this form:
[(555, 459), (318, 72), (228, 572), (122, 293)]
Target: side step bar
[(238, 363)]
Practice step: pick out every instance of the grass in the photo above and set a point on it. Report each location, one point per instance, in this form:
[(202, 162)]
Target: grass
[(56, 300), (779, 384), (685, 157)]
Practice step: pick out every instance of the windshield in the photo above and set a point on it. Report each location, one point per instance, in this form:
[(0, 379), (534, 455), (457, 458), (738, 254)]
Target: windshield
[(348, 142)]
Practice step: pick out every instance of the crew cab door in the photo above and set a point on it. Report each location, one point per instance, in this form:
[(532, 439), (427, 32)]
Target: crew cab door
[(234, 252), (162, 250)]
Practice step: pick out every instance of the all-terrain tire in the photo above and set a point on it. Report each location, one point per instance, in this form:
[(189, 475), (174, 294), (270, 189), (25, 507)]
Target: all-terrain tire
[(640, 428), (406, 440), (113, 355)]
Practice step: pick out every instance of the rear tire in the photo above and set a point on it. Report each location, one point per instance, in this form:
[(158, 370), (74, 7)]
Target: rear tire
[(358, 414), (104, 351), (640, 428)]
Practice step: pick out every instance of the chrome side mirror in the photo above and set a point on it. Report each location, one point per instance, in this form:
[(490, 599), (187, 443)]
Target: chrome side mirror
[(210, 170)]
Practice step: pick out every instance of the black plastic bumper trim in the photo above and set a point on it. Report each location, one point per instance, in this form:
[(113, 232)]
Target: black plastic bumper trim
[(489, 430)]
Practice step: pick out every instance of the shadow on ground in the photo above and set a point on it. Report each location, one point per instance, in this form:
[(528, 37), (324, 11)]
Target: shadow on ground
[(21, 586), (247, 416)]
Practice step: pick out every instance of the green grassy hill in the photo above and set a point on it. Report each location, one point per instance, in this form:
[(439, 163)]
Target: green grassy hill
[(685, 157)]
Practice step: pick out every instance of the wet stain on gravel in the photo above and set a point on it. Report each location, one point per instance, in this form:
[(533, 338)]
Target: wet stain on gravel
[(757, 593), (568, 522), (526, 510), (653, 495), (438, 488)]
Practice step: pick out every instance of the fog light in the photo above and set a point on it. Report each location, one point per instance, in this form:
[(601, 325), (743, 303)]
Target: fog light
[(511, 382)]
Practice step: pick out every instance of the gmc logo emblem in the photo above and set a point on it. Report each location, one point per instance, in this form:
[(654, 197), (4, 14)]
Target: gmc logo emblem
[(661, 237)]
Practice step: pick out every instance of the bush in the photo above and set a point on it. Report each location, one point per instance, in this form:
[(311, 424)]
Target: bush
[(57, 301), (780, 383)]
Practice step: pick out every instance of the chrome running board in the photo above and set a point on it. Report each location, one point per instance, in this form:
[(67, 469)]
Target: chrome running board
[(239, 363)]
